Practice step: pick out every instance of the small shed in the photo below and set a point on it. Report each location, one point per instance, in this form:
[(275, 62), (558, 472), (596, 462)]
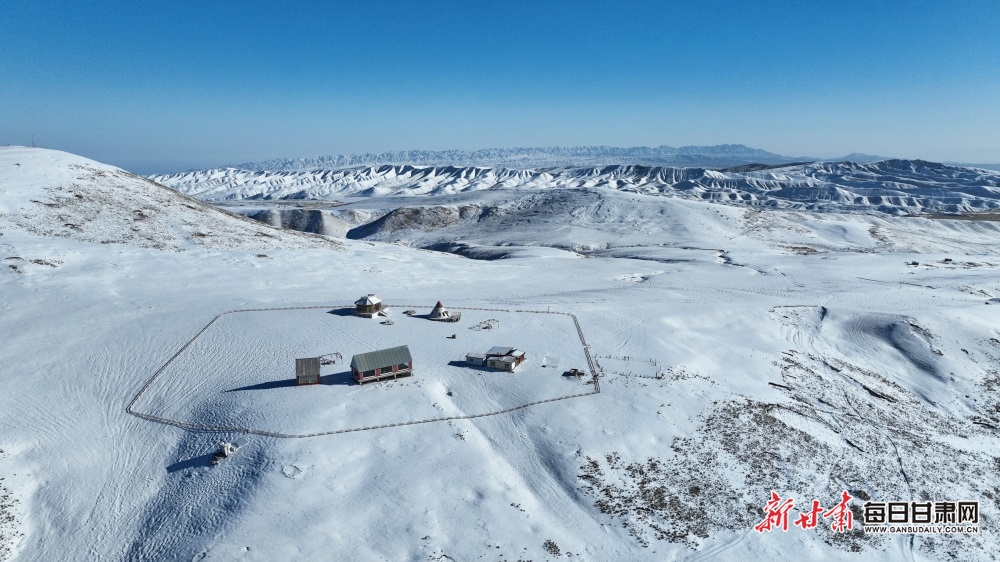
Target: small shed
[(368, 306), (382, 364), (477, 359), (307, 371)]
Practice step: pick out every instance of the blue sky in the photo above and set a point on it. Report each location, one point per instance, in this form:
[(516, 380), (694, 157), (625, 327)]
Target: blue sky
[(167, 86)]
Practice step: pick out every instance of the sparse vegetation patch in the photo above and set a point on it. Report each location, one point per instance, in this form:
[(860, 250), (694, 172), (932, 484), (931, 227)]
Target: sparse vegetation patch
[(10, 531), (826, 438)]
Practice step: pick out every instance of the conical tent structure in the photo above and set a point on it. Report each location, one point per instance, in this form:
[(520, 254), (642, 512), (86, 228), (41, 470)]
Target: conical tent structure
[(439, 312)]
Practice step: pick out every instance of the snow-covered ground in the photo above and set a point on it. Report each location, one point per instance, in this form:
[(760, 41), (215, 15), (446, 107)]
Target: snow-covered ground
[(237, 373), (742, 350)]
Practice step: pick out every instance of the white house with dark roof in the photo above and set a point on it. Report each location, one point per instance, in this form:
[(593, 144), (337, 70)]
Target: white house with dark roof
[(499, 357)]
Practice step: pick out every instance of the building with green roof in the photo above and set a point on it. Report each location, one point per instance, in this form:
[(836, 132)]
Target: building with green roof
[(390, 363)]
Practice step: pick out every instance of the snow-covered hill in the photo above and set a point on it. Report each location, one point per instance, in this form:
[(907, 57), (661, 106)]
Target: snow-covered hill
[(741, 349), (55, 194), (597, 222), (891, 186), (719, 156)]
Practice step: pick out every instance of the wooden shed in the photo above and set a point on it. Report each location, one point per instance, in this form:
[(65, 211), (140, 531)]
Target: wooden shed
[(307, 371), (382, 364)]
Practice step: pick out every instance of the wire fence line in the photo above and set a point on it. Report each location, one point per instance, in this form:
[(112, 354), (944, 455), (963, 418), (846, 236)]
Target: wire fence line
[(234, 429), (594, 369), (156, 375), (210, 428), (659, 375)]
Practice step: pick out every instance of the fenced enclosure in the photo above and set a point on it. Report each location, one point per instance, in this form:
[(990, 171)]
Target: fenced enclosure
[(230, 378)]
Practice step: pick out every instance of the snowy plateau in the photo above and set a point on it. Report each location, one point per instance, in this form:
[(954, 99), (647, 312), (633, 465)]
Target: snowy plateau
[(806, 329)]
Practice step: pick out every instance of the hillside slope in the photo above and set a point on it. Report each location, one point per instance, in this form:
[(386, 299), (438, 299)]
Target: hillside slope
[(596, 221), (55, 194)]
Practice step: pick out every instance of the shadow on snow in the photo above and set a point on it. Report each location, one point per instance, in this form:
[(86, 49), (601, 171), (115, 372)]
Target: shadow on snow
[(193, 462), (471, 367), (342, 378)]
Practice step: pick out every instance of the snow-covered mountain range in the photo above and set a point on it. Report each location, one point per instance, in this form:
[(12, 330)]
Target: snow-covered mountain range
[(892, 186), (718, 156)]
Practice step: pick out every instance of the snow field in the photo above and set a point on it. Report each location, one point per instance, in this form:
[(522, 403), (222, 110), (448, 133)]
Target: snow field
[(239, 373), (891, 391)]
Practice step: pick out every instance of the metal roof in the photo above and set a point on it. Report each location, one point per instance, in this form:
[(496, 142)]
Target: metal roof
[(368, 300), (500, 350), (307, 367), (381, 358)]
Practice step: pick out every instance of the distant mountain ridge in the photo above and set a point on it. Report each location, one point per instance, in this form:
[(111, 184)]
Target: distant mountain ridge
[(991, 167), (859, 157), (900, 187), (718, 156)]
